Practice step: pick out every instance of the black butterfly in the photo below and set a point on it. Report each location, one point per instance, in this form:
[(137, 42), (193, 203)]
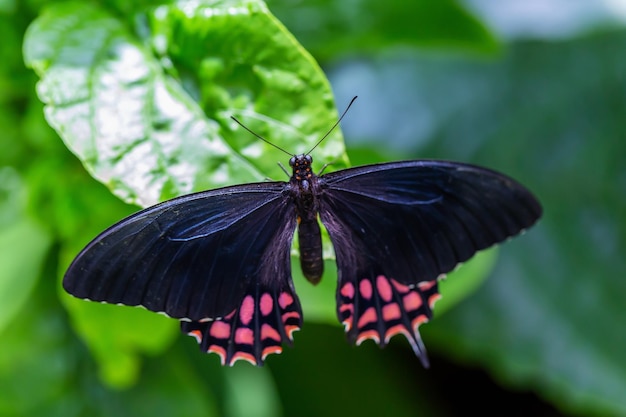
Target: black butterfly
[(219, 260)]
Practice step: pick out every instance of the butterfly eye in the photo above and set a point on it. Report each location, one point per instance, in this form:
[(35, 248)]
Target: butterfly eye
[(292, 161)]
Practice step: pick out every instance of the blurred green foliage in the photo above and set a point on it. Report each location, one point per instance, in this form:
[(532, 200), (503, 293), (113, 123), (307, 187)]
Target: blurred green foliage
[(433, 82)]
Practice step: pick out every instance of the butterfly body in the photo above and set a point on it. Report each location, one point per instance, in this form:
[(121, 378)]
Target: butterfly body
[(305, 189), (219, 260)]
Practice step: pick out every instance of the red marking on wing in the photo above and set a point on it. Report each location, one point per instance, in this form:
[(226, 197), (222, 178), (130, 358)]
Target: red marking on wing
[(269, 350), (347, 324), (391, 312), (244, 336), (394, 330), (267, 304), (433, 299), (268, 332), (246, 311), (243, 356), (219, 330), (290, 330), (369, 334), (384, 288), (285, 300), (369, 316), (348, 290), (346, 308), (401, 288), (426, 285), (197, 334), (383, 307), (365, 288), (418, 321), (264, 320), (412, 301), (220, 351), (290, 315)]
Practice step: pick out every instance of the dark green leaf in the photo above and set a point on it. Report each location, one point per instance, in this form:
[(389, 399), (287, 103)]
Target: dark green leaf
[(329, 28), (24, 246)]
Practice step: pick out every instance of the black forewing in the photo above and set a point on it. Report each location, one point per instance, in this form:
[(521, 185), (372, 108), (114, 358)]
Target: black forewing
[(415, 220), (192, 257)]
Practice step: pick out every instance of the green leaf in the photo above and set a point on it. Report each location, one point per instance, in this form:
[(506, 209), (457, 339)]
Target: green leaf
[(148, 112), (251, 392), (117, 336), (328, 28), (43, 371), (24, 246), (465, 280), (34, 365)]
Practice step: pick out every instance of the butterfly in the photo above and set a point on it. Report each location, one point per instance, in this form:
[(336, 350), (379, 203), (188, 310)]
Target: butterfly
[(219, 260)]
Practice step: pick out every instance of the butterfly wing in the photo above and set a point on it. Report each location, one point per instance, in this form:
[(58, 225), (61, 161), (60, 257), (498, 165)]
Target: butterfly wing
[(397, 227), (218, 260)]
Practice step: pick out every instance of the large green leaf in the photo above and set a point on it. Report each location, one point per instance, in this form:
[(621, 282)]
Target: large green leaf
[(148, 112)]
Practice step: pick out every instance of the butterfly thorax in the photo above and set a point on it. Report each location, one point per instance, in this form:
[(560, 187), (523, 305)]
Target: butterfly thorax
[(304, 187)]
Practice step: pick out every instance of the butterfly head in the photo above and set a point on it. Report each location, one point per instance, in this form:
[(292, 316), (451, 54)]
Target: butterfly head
[(301, 165)]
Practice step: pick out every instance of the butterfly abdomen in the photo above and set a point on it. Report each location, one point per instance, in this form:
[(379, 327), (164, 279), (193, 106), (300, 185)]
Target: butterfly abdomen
[(310, 240)]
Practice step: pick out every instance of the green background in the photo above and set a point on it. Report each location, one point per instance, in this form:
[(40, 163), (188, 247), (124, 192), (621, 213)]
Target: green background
[(138, 96)]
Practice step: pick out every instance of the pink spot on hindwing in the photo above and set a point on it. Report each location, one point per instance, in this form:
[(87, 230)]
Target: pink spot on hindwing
[(266, 305), (433, 299), (285, 300), (220, 330), (243, 356), (269, 350), (346, 308), (426, 285), (220, 351), (418, 321), (268, 332), (246, 311), (369, 334), (401, 288), (391, 312), (384, 289), (394, 330), (412, 301), (244, 336), (290, 315), (365, 288), (347, 290), (369, 316), (197, 334)]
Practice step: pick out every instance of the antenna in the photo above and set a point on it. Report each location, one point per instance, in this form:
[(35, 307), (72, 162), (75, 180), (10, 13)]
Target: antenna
[(334, 126), (318, 142), (260, 137)]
